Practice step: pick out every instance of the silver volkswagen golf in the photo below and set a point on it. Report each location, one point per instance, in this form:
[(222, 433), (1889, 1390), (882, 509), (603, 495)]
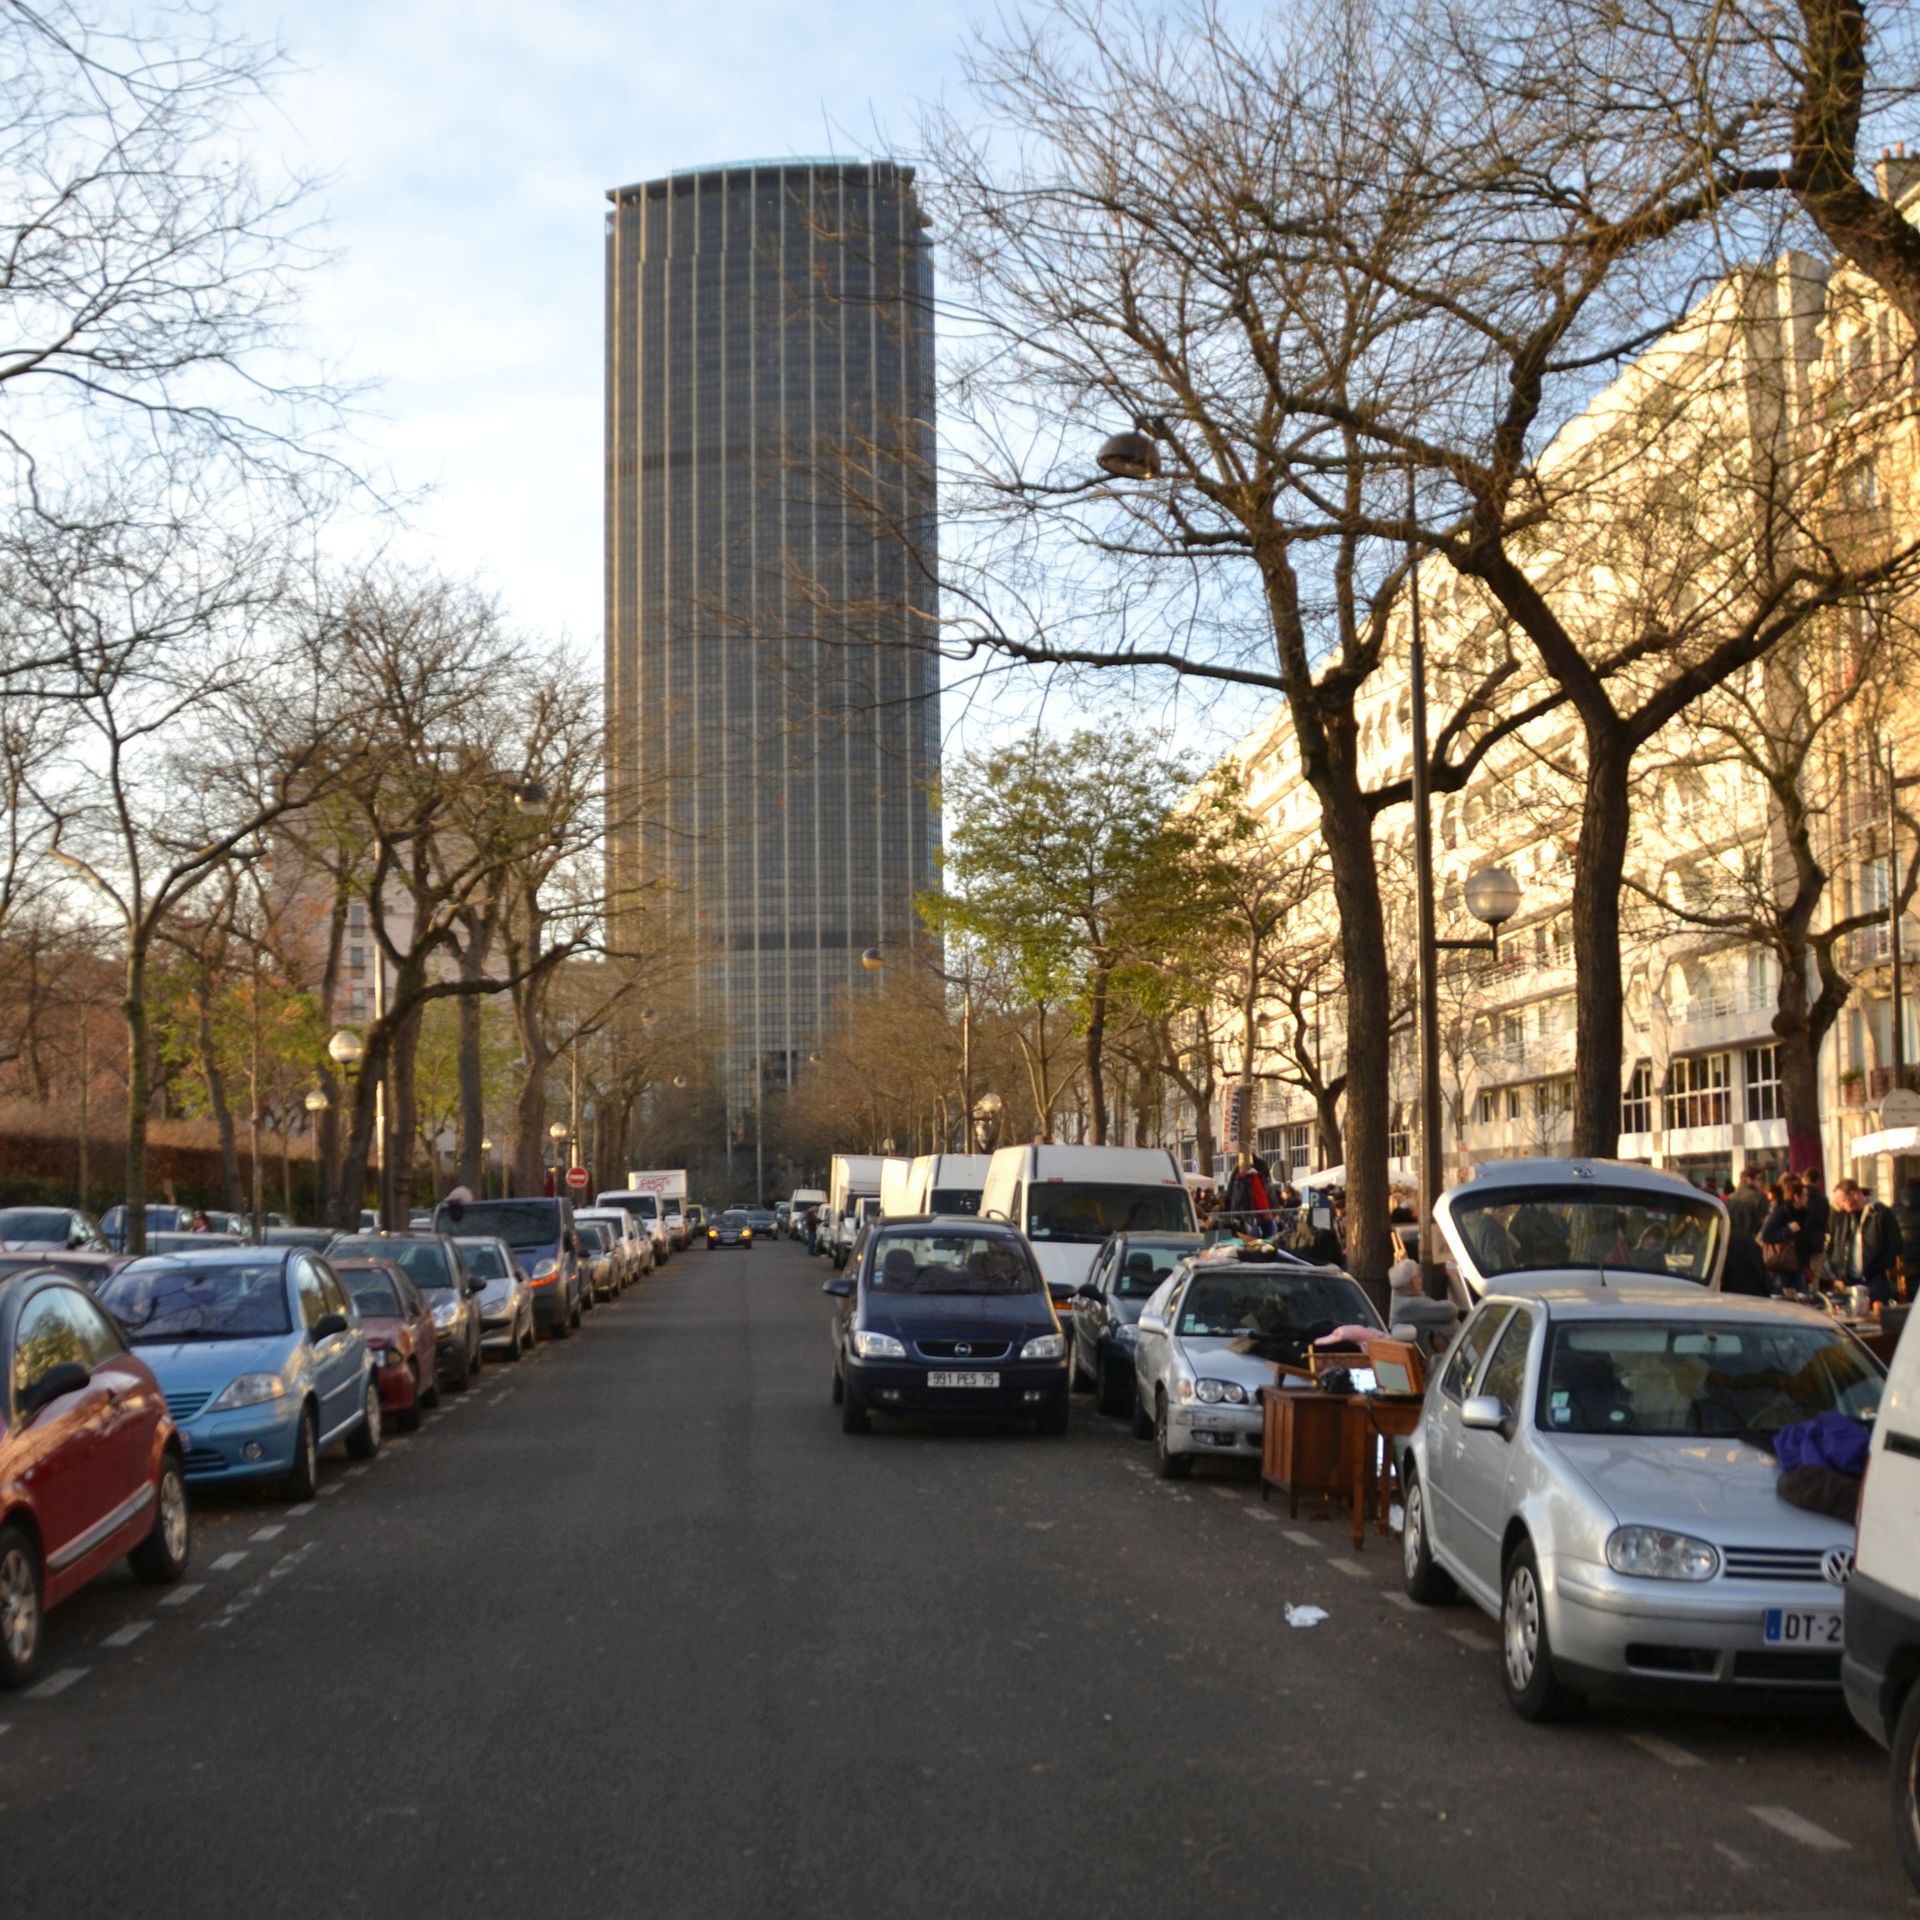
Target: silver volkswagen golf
[(1593, 1467)]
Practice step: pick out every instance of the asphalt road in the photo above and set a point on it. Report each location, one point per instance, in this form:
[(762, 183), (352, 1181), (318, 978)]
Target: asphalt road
[(637, 1631)]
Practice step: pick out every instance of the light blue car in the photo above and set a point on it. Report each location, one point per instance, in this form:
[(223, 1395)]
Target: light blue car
[(260, 1354)]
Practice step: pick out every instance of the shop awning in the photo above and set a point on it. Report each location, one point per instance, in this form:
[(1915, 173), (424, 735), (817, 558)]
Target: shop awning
[(1888, 1140)]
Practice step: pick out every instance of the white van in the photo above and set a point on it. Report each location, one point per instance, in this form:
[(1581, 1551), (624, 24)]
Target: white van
[(1067, 1200), (934, 1183), (803, 1198), (1881, 1665), (645, 1209)]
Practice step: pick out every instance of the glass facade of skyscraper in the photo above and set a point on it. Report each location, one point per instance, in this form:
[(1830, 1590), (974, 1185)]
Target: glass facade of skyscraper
[(771, 673)]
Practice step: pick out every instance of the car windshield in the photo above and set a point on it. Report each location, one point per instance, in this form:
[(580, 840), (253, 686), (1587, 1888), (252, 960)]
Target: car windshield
[(520, 1223), (733, 1217), (1071, 1210), (594, 1235), (955, 1200), (373, 1292), (1730, 1379), (950, 1263), (423, 1261), (1251, 1303), (484, 1258), (179, 1301), (34, 1223), (1531, 1230)]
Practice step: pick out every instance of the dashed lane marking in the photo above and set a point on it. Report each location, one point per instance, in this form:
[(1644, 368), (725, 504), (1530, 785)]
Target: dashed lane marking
[(248, 1595), (332, 1487), (1736, 1860), (1351, 1568), (127, 1635), (1402, 1601), (55, 1683), (264, 1534), (1223, 1493), (1257, 1513), (1798, 1827), (1300, 1539), (354, 1473), (301, 1511), (180, 1595), (1466, 1636), (228, 1561), (1665, 1751)]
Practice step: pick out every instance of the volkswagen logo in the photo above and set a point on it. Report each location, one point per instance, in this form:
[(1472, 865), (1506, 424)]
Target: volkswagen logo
[(1835, 1564), (962, 1351)]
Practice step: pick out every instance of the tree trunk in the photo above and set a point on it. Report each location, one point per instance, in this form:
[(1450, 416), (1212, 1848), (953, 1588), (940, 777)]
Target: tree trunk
[(236, 1201), (471, 1127), (1095, 1132), (1599, 990), (403, 1121), (1326, 1111), (530, 1110), (326, 1148), (139, 1086)]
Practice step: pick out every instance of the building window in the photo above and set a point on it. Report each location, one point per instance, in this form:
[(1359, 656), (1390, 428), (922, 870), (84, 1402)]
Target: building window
[(1267, 1142), (1636, 1103), (1399, 1135), (1489, 1109), (1513, 1103), (1299, 1152), (1553, 1098), (1697, 1092), (1763, 1083), (356, 958)]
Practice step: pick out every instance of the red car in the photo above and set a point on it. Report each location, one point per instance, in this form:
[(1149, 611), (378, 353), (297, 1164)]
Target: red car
[(400, 1334), (90, 1465)]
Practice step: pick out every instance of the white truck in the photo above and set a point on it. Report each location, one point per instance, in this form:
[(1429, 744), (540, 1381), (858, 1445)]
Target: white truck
[(855, 1178), (934, 1183), (1067, 1200)]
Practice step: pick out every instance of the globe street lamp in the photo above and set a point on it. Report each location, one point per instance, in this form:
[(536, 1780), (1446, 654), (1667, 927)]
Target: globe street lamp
[(316, 1102), (873, 959), (346, 1048), (983, 1123)]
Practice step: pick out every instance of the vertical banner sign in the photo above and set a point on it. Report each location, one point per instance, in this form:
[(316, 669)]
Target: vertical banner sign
[(1233, 1133)]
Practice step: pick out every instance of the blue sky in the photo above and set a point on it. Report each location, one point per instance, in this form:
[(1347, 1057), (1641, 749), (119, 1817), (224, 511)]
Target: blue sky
[(470, 144)]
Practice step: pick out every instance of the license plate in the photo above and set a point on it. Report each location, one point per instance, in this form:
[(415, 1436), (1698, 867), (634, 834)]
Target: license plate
[(963, 1379), (1791, 1627)]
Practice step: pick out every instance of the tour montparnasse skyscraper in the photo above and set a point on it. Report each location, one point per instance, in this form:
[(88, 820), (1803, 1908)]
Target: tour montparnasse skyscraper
[(772, 675)]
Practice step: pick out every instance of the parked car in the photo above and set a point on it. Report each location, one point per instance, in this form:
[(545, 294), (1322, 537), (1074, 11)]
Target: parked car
[(506, 1300), (314, 1239), (539, 1231), (90, 1462), (161, 1215), (1101, 1330), (732, 1229), (698, 1221), (48, 1230), (645, 1209), (941, 1318), (191, 1242), (91, 1269), (260, 1355), (434, 1265), (400, 1334), (632, 1244), (673, 1214), (1207, 1342), (781, 1209), (598, 1256), (1593, 1468), (1881, 1660)]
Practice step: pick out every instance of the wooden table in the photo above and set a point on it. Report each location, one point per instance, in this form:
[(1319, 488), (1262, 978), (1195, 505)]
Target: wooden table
[(1323, 1444)]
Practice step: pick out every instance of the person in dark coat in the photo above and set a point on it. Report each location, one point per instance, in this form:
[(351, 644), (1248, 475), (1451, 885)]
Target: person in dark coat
[(1907, 1217), (1747, 1204), (1745, 1271), (1788, 1225), (1819, 1213), (1863, 1242)]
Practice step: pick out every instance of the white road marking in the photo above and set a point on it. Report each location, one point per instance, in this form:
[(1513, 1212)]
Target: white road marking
[(228, 1561), (1351, 1568), (127, 1635), (1256, 1513), (6, 1726), (267, 1533), (332, 1487), (1798, 1827), (1665, 1751), (1401, 1601), (1300, 1539), (1466, 1636), (354, 1473), (1223, 1493), (1737, 1861), (301, 1511), (180, 1595), (55, 1683)]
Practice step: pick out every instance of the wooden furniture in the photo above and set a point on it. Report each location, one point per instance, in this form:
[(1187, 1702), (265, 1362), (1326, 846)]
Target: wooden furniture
[(1381, 1419), (1303, 1445)]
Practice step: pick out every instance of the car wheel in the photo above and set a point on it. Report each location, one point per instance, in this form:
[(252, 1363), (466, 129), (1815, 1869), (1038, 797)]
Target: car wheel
[(364, 1441), (1534, 1691), (1142, 1419), (514, 1348), (1053, 1423), (839, 1387), (853, 1411), (161, 1558), (1168, 1464), (1110, 1388), (429, 1395), (303, 1482), (461, 1377), (1906, 1784), (410, 1414), (579, 1310), (1424, 1581), (22, 1617), (1076, 1381), (562, 1329)]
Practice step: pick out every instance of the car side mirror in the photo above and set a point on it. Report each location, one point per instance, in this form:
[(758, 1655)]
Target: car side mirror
[(1486, 1413), (68, 1377), (1086, 1291), (1061, 1291), (1151, 1323), (840, 1287), (476, 1286), (328, 1325)]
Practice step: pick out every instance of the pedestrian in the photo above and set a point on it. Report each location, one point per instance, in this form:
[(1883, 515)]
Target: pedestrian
[(1747, 1204), (1787, 1245), (1819, 1215), (199, 1223), (1907, 1213), (1863, 1242)]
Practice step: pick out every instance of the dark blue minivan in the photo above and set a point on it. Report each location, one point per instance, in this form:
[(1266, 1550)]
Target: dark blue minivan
[(540, 1232)]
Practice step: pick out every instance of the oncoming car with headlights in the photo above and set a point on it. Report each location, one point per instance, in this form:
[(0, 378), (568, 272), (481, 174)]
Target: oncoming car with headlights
[(946, 1316), (1594, 1466), (1208, 1341)]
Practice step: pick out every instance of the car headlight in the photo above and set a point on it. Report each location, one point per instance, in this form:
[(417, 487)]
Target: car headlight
[(1125, 1332), (746, 1233), (388, 1357), (1651, 1553), (1213, 1392), (1047, 1346), (877, 1346), (713, 1233), (446, 1313), (249, 1390)]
